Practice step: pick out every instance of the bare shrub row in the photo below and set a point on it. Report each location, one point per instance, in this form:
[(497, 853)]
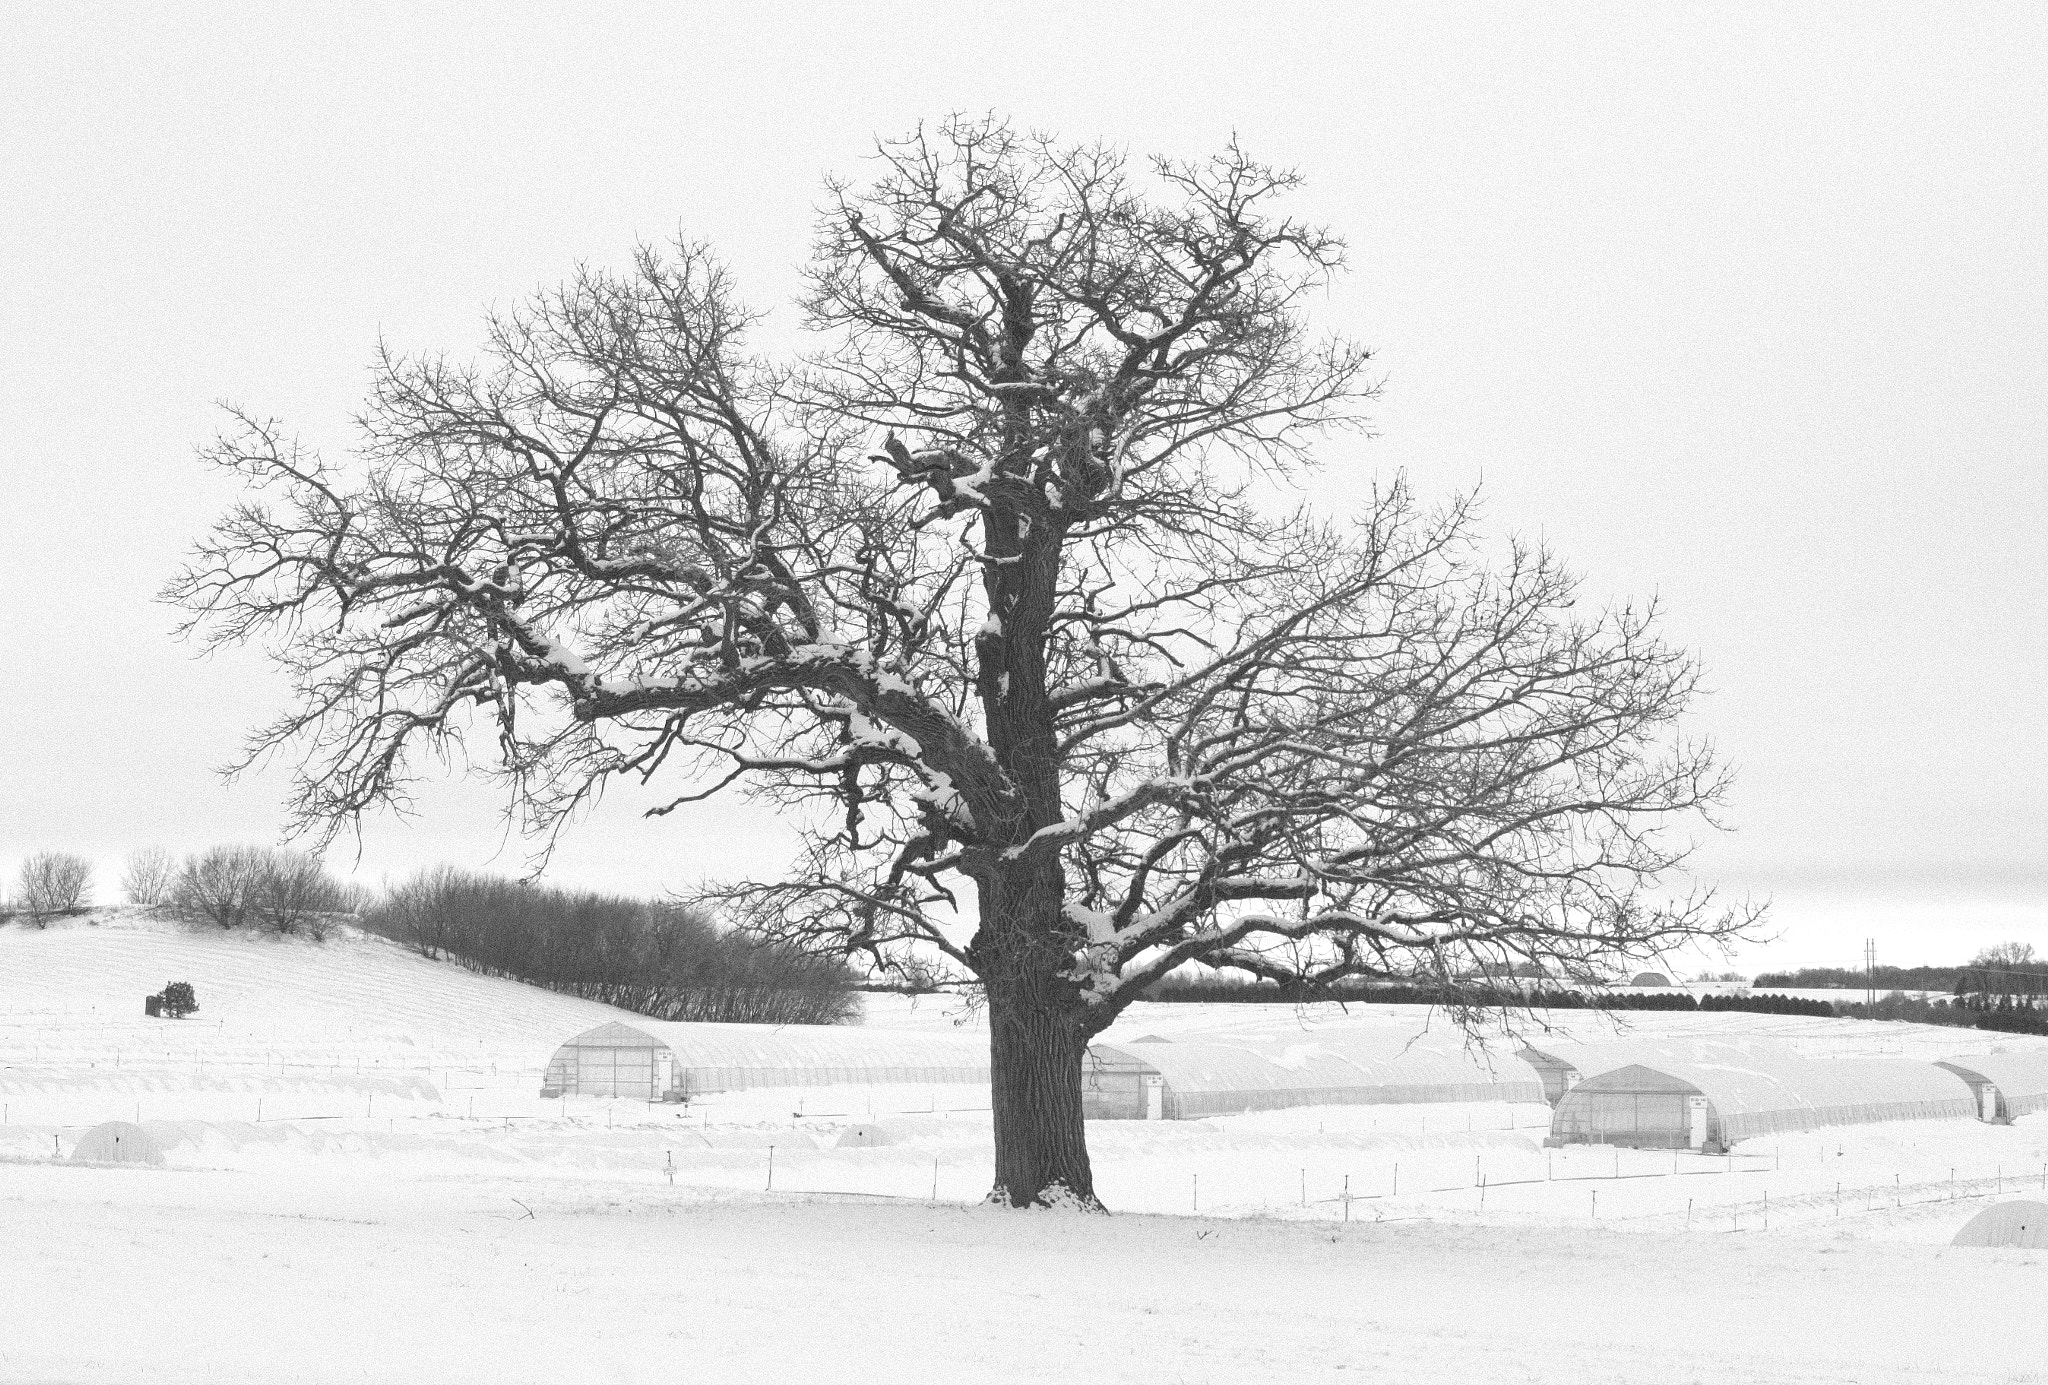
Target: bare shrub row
[(273, 888), (658, 959)]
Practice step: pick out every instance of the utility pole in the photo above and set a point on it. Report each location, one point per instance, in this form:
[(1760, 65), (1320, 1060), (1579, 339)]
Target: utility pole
[(1870, 971)]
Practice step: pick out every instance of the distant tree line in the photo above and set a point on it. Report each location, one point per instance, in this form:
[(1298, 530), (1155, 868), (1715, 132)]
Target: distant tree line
[(663, 960), (1469, 996), (1856, 979), (2013, 1014), (270, 888), (2008, 1015), (2003, 969)]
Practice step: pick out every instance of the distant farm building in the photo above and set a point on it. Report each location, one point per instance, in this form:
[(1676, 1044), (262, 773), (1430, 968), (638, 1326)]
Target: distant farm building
[(656, 1060), (1649, 978), (1711, 1105), (2007, 1084), (1226, 1075)]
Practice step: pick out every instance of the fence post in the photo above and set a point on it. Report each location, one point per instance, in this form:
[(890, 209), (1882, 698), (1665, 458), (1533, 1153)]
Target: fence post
[(771, 1168)]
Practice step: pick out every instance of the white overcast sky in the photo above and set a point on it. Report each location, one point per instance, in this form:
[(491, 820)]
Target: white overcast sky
[(1739, 306)]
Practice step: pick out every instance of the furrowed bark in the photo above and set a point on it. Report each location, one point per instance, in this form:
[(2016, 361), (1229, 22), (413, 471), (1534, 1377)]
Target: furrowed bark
[(1035, 1049), (1038, 1029)]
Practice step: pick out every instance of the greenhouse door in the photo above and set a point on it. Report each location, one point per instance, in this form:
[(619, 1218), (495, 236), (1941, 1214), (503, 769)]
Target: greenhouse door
[(1662, 1120), (627, 1072), (1655, 1120), (634, 1075)]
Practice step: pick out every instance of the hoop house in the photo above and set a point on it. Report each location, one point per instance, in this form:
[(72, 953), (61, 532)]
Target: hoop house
[(656, 1060), (1562, 1064), (1219, 1075), (2023, 1225), (117, 1142), (1713, 1105), (2006, 1084)]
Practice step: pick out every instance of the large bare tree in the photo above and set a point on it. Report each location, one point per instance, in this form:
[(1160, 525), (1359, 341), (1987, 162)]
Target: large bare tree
[(991, 590)]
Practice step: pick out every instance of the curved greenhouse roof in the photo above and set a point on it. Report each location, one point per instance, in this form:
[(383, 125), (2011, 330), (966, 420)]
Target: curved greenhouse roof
[(1755, 1094), (2021, 1078), (1561, 1062), (668, 1060), (1214, 1075)]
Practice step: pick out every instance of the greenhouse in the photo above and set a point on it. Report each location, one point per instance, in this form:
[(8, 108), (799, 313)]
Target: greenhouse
[(1226, 1075), (117, 1142), (1562, 1064), (2006, 1084), (2021, 1225), (656, 1060), (1712, 1105)]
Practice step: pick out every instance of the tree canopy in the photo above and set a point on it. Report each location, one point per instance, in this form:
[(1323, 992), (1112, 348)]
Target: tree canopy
[(997, 591)]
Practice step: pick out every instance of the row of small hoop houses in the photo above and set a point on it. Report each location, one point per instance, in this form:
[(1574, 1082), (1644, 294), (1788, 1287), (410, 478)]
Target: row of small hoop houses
[(1664, 1092)]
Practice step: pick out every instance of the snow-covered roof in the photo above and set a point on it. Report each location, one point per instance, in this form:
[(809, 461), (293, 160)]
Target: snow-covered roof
[(1554, 1057), (1762, 1093), (2021, 1077), (798, 1048), (1212, 1074)]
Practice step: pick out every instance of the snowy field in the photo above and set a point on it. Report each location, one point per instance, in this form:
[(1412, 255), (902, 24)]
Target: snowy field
[(361, 1182)]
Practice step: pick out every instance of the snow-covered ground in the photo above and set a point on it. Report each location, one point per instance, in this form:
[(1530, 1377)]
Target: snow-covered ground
[(215, 1278), (361, 1182)]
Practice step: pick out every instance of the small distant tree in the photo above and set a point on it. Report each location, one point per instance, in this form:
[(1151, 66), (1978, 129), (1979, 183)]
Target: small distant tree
[(2006, 956), (149, 876), (220, 884), (292, 893), (51, 883), (179, 1001)]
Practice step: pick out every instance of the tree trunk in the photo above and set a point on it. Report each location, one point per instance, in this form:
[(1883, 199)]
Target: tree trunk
[(1035, 1055)]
